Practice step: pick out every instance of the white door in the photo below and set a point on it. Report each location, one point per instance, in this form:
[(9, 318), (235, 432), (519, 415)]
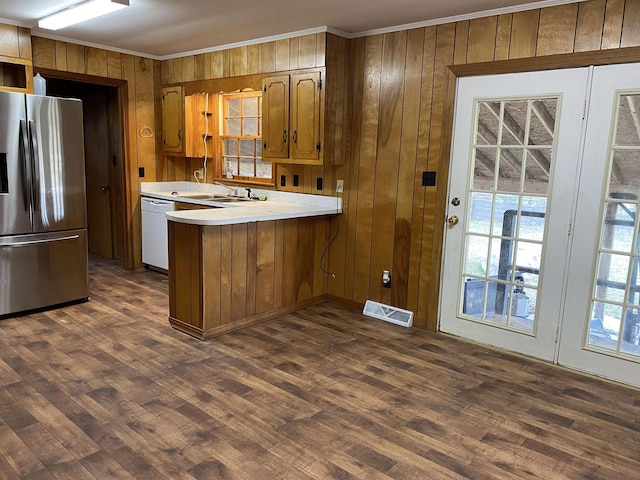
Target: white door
[(601, 325), (544, 258), (515, 158)]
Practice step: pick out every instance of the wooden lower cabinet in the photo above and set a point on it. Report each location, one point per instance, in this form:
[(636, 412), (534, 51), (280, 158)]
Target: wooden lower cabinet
[(226, 277)]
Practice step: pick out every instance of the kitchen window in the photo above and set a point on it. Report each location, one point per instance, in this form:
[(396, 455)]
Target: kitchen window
[(241, 127)]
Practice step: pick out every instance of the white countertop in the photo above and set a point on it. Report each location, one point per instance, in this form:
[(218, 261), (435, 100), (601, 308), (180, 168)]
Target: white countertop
[(277, 206)]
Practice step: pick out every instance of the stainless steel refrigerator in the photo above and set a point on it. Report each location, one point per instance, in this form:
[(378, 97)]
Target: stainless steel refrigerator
[(43, 219)]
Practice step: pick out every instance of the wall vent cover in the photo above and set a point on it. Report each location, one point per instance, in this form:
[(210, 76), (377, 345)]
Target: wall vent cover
[(388, 313)]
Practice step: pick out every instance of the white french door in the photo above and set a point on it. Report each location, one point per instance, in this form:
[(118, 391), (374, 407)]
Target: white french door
[(601, 321), (541, 255)]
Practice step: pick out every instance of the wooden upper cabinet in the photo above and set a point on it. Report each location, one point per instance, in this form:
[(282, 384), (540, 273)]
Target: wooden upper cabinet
[(16, 66), (173, 119), (292, 109), (275, 117), (305, 116)]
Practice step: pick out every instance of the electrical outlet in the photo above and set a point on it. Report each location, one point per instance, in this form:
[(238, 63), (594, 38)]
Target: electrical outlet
[(340, 186), (199, 173)]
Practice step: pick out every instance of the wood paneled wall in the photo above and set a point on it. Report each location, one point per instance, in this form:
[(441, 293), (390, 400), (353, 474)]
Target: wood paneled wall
[(400, 83), (141, 81)]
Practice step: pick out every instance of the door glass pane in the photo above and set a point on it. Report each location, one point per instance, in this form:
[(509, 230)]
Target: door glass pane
[(604, 325), (618, 229), (543, 122), (484, 168), (510, 169), (505, 225), (625, 172), (488, 123), (631, 333), (614, 324), (505, 215), (628, 129), (538, 166), (501, 256), (514, 122), (480, 213), (476, 261), (532, 220)]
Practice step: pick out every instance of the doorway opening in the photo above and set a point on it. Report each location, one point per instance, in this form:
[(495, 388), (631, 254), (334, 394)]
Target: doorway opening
[(104, 162)]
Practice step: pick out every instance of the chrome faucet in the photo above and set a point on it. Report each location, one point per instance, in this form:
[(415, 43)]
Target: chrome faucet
[(234, 191)]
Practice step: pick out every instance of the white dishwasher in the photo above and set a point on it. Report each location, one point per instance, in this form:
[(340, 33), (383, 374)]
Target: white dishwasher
[(155, 237)]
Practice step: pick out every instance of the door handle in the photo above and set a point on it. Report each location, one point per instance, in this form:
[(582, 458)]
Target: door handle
[(35, 175), (104, 187), (453, 220)]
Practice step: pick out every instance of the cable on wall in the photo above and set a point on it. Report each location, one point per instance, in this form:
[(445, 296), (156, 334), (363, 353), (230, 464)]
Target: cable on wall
[(335, 235)]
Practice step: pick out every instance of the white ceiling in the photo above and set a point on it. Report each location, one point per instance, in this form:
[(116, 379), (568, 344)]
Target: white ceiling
[(167, 28)]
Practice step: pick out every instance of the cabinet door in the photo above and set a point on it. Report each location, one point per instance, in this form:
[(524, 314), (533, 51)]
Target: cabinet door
[(275, 117), (173, 119), (305, 116)]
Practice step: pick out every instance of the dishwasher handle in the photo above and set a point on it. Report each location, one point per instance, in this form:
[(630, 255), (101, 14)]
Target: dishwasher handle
[(160, 206)]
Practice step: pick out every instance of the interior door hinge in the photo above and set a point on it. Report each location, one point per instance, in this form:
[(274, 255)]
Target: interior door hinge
[(557, 334), (584, 109), (264, 89), (320, 84), (318, 147), (569, 229)]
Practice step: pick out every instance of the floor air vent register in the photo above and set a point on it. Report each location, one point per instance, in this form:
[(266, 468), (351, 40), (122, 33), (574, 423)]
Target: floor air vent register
[(388, 313)]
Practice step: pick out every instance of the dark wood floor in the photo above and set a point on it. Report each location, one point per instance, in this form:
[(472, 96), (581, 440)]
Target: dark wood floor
[(106, 390)]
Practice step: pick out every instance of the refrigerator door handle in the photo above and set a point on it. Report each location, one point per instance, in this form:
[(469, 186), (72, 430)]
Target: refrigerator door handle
[(34, 170), (24, 137), (35, 242)]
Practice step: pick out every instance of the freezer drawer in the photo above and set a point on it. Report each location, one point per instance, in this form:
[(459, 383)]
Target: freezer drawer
[(43, 270)]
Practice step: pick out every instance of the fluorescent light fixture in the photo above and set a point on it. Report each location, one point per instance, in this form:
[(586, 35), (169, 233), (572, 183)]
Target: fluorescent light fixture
[(81, 12)]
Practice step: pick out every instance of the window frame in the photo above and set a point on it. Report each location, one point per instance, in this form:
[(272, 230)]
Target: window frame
[(257, 139)]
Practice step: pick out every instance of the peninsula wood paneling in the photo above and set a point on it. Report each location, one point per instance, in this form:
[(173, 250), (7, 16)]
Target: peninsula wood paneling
[(226, 277), (379, 178), (142, 86)]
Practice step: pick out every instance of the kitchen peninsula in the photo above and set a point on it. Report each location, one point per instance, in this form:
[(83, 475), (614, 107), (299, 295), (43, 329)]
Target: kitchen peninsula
[(236, 263)]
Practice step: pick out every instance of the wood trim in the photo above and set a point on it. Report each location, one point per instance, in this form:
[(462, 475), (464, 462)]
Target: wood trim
[(246, 322), (217, 85), (345, 302), (549, 62)]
